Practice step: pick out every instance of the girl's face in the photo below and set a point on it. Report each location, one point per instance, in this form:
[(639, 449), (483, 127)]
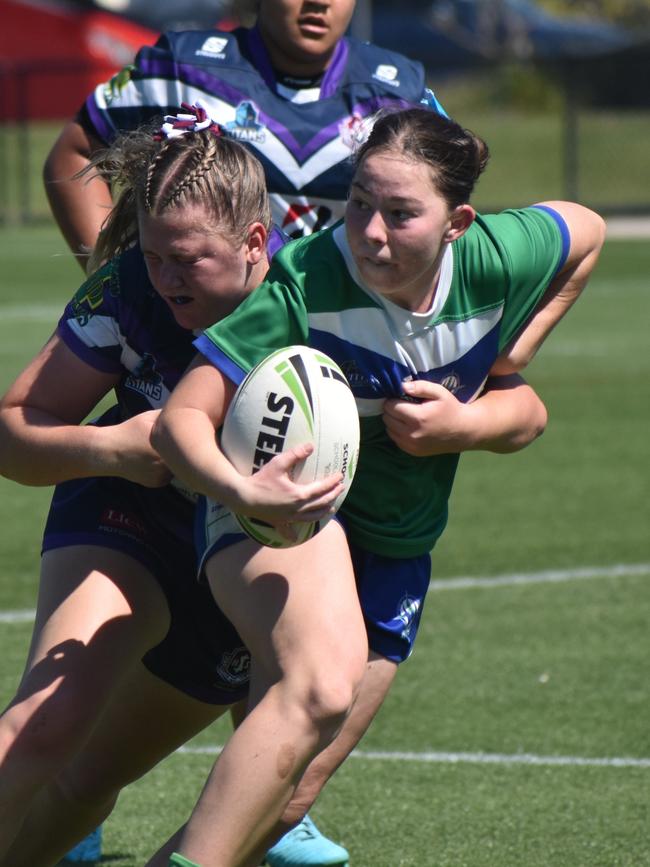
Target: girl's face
[(398, 226), (301, 34), (195, 268)]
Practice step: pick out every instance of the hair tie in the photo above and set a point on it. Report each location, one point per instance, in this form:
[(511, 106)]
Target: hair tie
[(196, 120)]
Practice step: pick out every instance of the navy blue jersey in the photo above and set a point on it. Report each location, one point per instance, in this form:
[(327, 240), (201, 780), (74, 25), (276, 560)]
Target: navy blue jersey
[(117, 323), (303, 138)]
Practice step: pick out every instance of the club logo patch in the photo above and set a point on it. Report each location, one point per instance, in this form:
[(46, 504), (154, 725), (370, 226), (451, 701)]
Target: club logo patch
[(234, 666), (246, 125), (354, 130)]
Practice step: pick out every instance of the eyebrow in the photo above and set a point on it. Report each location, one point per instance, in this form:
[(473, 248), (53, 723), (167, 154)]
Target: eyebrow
[(402, 200)]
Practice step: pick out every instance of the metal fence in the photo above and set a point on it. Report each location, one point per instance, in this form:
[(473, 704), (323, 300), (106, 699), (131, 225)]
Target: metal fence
[(576, 152)]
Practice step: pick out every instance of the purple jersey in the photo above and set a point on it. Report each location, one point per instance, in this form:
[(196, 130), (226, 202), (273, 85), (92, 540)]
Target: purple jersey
[(303, 137)]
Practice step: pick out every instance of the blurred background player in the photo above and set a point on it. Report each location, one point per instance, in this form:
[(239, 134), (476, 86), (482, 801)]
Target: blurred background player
[(293, 88)]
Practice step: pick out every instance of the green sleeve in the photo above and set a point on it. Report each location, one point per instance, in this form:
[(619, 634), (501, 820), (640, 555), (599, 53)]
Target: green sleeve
[(534, 243), (272, 317)]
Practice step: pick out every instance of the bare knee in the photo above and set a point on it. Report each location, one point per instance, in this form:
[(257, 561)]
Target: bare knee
[(84, 791), (330, 698), (46, 727)]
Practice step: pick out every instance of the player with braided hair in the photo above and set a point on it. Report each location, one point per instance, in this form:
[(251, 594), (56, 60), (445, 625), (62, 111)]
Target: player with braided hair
[(124, 636), (130, 656)]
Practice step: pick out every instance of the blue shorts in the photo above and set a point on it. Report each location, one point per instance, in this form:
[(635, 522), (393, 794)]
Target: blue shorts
[(202, 655), (391, 590)]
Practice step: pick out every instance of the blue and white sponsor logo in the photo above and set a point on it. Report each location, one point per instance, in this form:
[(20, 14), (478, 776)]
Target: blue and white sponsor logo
[(213, 47), (387, 73)]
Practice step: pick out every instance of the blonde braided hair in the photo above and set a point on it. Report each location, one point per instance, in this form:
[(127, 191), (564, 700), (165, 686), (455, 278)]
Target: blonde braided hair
[(155, 174)]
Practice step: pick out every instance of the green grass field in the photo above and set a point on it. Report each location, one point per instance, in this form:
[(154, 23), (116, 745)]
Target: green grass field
[(527, 160), (517, 735)]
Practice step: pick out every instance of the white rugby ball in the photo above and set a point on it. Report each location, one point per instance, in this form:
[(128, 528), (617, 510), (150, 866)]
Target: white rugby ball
[(296, 395)]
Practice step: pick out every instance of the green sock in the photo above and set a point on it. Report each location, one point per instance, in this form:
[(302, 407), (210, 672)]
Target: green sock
[(177, 860)]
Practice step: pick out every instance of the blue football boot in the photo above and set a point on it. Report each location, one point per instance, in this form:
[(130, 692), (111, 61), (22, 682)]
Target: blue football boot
[(305, 846), (88, 851)]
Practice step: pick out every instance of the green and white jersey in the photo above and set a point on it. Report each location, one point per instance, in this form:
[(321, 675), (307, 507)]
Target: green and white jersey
[(491, 280)]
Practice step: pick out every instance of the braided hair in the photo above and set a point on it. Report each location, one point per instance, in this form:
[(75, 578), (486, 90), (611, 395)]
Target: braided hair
[(155, 172)]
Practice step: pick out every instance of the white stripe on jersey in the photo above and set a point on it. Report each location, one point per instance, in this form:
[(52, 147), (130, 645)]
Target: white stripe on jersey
[(401, 335), (101, 332), (157, 92), (98, 331)]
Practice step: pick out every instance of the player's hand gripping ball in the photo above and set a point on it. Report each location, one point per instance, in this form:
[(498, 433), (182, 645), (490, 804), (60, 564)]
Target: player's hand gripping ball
[(296, 395)]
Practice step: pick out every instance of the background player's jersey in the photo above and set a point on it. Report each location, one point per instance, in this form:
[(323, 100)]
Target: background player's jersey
[(304, 146), (491, 280)]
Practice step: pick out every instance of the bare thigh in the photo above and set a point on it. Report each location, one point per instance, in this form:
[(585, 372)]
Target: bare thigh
[(98, 612), (296, 609), (146, 720)]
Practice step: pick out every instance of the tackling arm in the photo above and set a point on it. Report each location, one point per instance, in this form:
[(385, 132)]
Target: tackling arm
[(42, 440), (79, 205)]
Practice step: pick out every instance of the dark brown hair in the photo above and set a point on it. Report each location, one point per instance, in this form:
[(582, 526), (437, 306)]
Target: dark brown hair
[(455, 155)]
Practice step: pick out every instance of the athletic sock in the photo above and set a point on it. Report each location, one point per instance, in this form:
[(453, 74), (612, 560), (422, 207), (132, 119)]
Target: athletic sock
[(177, 860)]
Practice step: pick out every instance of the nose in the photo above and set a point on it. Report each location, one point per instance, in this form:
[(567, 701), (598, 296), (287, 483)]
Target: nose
[(169, 277), (375, 229)]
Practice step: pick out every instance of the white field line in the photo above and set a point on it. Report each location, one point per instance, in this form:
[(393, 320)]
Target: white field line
[(31, 312), (551, 576), (466, 758)]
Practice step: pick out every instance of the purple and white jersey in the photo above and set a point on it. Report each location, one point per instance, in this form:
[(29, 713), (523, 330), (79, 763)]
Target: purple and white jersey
[(303, 137), (117, 323)]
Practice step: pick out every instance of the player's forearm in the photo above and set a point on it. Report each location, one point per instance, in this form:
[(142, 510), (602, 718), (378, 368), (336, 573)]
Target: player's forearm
[(185, 439), (37, 449), (507, 417), (79, 205)]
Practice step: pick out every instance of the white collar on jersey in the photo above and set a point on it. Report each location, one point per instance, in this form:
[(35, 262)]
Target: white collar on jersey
[(299, 95), (395, 311)]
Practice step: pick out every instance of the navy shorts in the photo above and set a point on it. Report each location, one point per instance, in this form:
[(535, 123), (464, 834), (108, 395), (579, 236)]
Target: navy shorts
[(202, 654), (391, 590)]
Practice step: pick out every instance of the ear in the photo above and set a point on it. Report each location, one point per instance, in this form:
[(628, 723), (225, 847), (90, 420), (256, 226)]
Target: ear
[(256, 243), (460, 219)]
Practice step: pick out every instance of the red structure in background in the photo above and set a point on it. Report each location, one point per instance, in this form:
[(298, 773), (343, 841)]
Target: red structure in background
[(53, 53)]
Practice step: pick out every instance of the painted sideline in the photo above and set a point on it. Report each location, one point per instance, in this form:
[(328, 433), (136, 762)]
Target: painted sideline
[(550, 576), (467, 758)]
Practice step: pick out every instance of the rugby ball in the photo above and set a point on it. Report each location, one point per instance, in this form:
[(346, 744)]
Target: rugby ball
[(295, 395)]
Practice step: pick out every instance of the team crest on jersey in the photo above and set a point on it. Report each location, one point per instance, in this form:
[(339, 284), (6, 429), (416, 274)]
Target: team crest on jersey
[(234, 666), (213, 47), (407, 612), (358, 378), (145, 379), (452, 382), (246, 125), (353, 131), (387, 73)]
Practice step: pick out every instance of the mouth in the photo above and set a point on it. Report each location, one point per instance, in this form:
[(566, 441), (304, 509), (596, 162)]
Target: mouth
[(377, 263), (313, 25), (179, 300)]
